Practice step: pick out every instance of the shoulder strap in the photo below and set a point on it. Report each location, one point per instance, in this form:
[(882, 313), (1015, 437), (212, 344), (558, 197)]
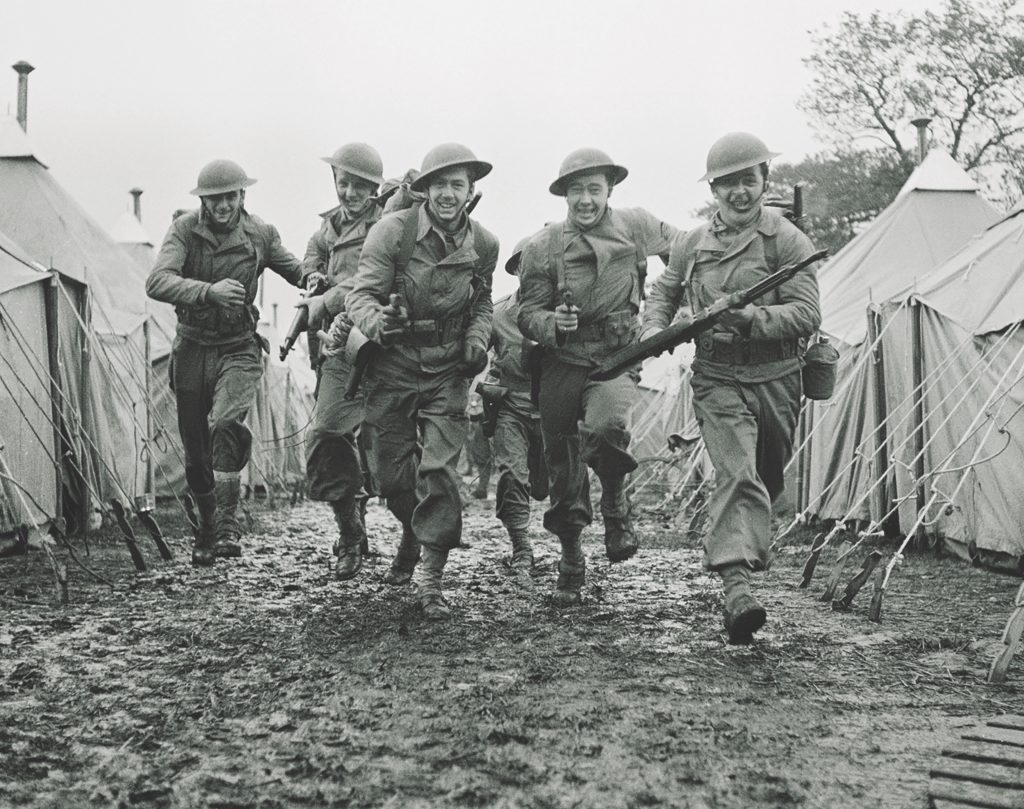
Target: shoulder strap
[(556, 254), (406, 248), (771, 252), (640, 245)]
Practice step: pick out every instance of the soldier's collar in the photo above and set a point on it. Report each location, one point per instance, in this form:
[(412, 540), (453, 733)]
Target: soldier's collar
[(427, 223)]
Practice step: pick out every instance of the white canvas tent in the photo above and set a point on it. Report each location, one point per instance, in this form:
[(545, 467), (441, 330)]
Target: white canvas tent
[(100, 313), (970, 356), (937, 211)]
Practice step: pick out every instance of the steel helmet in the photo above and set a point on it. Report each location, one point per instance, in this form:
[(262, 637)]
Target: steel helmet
[(219, 177), (449, 156), (734, 152), (359, 159), (586, 160), (512, 265)]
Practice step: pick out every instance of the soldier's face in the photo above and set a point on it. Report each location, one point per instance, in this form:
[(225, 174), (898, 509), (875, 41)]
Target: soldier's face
[(448, 193), (353, 192), (221, 208), (587, 198), (741, 192)]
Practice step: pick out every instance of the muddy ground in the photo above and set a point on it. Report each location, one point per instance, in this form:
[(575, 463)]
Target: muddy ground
[(264, 683)]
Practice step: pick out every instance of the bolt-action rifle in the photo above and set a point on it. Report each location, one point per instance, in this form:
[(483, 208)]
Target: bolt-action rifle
[(688, 328), (300, 322)]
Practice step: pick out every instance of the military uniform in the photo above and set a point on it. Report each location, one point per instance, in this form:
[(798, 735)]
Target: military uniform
[(518, 446), (746, 390), (416, 396), (215, 361), (336, 461), (602, 268)]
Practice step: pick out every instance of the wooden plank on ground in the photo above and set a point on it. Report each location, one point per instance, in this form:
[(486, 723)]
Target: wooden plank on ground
[(997, 735), (1012, 721), (978, 795), (1008, 776), (987, 752)]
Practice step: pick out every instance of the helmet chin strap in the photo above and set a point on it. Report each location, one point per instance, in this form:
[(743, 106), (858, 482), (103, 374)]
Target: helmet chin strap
[(743, 221)]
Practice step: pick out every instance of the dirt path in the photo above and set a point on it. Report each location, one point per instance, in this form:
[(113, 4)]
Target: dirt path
[(264, 683)]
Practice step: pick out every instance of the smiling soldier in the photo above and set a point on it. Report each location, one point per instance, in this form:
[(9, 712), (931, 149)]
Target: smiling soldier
[(336, 460), (423, 293), (582, 281), (746, 374), (209, 267)]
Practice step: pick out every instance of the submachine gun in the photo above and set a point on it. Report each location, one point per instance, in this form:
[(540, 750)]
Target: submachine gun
[(687, 329)]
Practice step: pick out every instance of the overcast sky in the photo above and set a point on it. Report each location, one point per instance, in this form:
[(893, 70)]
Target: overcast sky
[(144, 93)]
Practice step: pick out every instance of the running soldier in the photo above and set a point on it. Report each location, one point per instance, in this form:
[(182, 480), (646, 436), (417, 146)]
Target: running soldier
[(209, 267), (582, 283), (746, 373)]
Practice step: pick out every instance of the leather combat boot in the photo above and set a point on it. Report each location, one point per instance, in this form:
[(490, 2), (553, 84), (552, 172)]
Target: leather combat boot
[(428, 584), (619, 540), (572, 572), (229, 532), (522, 551), (350, 538), (743, 614), (405, 559), (206, 532)]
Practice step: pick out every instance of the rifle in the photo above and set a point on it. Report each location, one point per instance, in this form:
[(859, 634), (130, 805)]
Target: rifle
[(688, 328), (300, 322)]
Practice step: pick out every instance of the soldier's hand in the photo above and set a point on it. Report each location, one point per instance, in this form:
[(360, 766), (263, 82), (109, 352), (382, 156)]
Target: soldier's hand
[(566, 318), (474, 360), (738, 320), (394, 319), (227, 292), (315, 279), (334, 339), (315, 308)]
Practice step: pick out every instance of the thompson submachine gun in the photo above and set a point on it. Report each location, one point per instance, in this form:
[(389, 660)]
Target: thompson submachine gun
[(688, 328)]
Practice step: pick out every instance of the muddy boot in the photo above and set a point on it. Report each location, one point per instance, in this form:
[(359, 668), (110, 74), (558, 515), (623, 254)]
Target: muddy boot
[(206, 532), (572, 572), (405, 559), (522, 552), (619, 540), (743, 614), (428, 584), (229, 532), (350, 539)]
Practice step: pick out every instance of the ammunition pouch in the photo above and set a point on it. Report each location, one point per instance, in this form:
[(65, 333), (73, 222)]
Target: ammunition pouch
[(739, 351), (425, 333), (217, 321), (492, 395), (615, 331)]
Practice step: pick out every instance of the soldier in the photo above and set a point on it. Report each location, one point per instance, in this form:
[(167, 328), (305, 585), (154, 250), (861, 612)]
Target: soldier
[(335, 457), (423, 292), (518, 447), (746, 374), (209, 267), (582, 282)]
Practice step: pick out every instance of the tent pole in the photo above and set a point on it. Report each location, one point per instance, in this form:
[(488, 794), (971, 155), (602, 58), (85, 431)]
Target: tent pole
[(53, 358), (92, 467), (147, 337), (882, 433), (917, 380)]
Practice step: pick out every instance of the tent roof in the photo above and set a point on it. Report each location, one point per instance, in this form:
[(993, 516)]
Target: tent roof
[(939, 172), (904, 243), (128, 230), (16, 268), (56, 231), (982, 285), (13, 140)]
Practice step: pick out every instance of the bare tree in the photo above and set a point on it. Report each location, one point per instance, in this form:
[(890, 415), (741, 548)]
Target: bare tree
[(962, 66)]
